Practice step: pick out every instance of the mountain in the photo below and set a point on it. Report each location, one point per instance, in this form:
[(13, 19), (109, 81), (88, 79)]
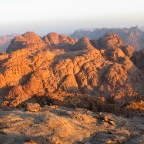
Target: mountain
[(58, 43), (54, 40), (29, 40), (58, 89), (131, 36), (5, 41), (94, 74), (141, 28), (82, 44)]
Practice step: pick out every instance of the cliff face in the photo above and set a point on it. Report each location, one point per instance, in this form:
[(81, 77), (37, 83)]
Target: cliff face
[(132, 36), (99, 74)]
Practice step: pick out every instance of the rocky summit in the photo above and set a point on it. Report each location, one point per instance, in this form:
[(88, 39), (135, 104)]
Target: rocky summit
[(29, 40), (100, 75)]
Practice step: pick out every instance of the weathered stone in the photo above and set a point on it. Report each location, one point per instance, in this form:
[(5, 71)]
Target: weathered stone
[(66, 126), (33, 107)]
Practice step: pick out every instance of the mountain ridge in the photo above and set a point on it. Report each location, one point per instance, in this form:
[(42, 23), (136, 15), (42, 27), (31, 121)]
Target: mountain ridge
[(131, 36)]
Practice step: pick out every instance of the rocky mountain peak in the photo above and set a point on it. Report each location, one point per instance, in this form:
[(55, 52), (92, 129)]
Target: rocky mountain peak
[(51, 38), (31, 36), (27, 40), (110, 40), (83, 43), (59, 43), (54, 40)]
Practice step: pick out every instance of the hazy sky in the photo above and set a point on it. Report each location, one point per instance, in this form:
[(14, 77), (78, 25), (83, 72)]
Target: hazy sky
[(65, 16)]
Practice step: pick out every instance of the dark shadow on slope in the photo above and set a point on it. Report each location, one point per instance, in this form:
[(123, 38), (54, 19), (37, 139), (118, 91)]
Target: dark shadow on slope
[(77, 100)]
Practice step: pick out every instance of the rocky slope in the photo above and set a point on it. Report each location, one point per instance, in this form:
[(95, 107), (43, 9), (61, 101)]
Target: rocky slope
[(5, 41), (59, 125), (102, 74), (132, 36)]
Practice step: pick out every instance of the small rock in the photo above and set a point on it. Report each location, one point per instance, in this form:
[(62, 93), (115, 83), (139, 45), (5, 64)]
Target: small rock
[(112, 123), (30, 142), (110, 142), (87, 143), (33, 107)]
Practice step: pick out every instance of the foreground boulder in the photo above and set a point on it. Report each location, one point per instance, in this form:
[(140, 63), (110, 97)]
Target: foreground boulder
[(32, 107)]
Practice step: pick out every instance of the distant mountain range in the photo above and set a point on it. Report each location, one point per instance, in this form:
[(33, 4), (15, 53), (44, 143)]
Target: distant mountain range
[(5, 41), (131, 36), (142, 28)]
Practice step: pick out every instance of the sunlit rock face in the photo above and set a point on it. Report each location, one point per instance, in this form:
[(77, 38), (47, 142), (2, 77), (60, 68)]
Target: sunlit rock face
[(28, 40), (59, 43), (100, 75)]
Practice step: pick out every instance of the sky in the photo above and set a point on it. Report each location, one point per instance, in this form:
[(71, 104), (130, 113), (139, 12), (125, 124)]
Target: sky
[(65, 16)]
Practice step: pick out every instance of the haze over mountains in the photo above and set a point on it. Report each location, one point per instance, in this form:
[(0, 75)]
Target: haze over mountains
[(142, 28)]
